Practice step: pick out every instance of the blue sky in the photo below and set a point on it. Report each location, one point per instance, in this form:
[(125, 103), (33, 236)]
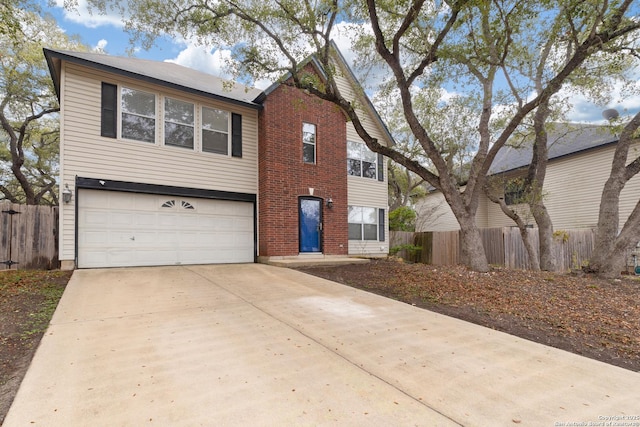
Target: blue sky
[(106, 32)]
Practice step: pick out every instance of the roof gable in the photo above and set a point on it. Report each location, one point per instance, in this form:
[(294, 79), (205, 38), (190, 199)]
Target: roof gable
[(162, 73), (351, 78)]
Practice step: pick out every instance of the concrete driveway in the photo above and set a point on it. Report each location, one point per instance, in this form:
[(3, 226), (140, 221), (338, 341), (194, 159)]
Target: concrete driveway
[(262, 345)]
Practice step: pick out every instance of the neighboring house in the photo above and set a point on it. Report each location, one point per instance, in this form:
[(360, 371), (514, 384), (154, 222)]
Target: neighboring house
[(579, 164), (167, 165)]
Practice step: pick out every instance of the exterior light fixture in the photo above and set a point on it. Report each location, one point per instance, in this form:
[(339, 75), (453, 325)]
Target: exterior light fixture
[(66, 194), (329, 202)]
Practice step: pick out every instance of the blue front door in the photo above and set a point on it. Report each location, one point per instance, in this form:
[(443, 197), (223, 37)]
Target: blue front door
[(310, 224)]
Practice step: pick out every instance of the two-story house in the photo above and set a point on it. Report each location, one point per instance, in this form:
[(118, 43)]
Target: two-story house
[(163, 165)]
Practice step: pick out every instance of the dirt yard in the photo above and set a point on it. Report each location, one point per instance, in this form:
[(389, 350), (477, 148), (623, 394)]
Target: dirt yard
[(27, 302), (582, 314)]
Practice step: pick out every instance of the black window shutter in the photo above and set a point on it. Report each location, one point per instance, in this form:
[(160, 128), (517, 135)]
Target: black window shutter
[(236, 135), (108, 120), (380, 167), (381, 227)]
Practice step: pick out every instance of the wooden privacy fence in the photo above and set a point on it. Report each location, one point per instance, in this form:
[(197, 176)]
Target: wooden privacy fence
[(503, 246), (28, 236)]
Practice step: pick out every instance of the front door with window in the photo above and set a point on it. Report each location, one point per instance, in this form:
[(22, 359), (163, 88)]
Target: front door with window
[(310, 225)]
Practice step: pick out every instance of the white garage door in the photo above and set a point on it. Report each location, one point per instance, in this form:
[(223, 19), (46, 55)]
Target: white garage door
[(119, 229)]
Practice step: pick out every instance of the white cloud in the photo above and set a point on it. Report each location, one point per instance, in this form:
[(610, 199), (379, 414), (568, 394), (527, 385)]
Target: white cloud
[(205, 60), (262, 83), (100, 46), (370, 75), (624, 99), (89, 16), (343, 36)]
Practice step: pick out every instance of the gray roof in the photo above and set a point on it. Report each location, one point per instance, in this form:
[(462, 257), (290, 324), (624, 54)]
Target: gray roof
[(563, 139), (163, 73)]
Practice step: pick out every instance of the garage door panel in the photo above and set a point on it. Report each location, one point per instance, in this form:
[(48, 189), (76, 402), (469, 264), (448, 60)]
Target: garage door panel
[(94, 217), (93, 237), (121, 219), (130, 229), (95, 258), (220, 225), (168, 237), (149, 239), (188, 222), (189, 238), (143, 203), (243, 224), (122, 201), (157, 257), (167, 220), (145, 220)]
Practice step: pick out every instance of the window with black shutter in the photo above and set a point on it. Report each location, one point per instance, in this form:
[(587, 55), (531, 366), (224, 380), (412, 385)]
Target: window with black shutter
[(236, 135), (109, 110)]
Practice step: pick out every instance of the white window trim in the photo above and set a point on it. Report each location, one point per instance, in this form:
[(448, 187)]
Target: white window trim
[(377, 224), (315, 143), (164, 121), (201, 128), (361, 159), (121, 112), (160, 122)]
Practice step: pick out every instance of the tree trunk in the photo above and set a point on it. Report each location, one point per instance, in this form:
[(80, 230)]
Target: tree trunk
[(610, 263), (545, 236), (615, 264), (531, 250), (617, 257), (536, 176), (472, 251), (607, 259), (522, 227), (608, 222)]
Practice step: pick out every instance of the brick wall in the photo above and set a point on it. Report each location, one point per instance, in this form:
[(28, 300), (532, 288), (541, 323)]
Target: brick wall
[(284, 177)]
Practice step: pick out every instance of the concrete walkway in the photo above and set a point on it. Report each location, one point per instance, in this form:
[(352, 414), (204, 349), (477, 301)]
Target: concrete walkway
[(261, 345)]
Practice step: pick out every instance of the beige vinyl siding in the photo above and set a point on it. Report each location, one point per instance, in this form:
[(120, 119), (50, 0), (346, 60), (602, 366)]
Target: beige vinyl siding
[(572, 192), (87, 154), (497, 218), (482, 218), (366, 191), (434, 214), (574, 186), (370, 193), (630, 196)]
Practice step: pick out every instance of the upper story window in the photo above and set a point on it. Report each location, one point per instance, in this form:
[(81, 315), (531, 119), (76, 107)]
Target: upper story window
[(215, 131), (133, 114), (178, 123), (308, 143), (361, 161), (138, 115)]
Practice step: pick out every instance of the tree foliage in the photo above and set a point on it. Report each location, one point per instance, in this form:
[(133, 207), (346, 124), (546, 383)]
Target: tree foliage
[(9, 19), (402, 219), (484, 52), (29, 130)]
